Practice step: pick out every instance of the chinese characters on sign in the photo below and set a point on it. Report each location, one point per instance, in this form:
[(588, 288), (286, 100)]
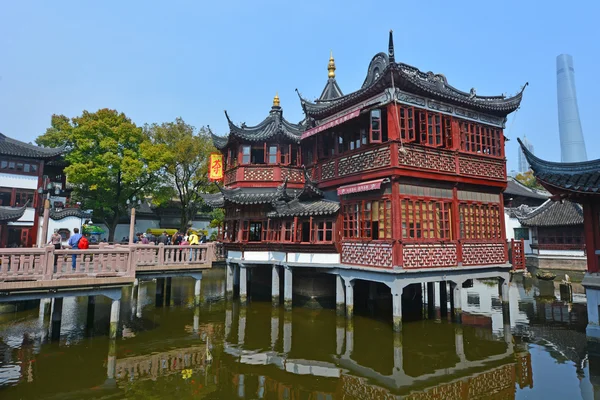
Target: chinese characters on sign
[(215, 167), (330, 124), (360, 187)]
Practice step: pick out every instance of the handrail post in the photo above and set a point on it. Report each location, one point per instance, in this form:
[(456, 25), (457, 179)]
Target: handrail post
[(131, 263), (49, 263), (161, 254)]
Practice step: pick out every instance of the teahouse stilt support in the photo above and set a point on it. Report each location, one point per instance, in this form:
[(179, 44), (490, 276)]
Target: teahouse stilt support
[(340, 297), (275, 285)]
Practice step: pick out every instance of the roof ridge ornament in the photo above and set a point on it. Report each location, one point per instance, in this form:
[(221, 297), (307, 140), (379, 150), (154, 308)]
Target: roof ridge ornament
[(391, 57), (276, 101), (331, 66)]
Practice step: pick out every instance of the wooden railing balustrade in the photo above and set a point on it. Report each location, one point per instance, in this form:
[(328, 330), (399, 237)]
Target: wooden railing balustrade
[(99, 261)]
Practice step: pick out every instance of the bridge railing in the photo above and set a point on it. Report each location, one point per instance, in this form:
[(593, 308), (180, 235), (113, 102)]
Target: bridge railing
[(31, 264), (99, 261)]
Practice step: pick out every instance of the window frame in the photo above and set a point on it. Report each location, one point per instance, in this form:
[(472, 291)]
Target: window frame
[(375, 126)]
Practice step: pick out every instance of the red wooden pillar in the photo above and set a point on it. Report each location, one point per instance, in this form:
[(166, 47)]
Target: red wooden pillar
[(503, 224), (592, 235), (456, 225), (392, 122), (397, 258)]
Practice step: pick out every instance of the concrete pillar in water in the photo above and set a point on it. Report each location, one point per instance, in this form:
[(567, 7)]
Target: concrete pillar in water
[(91, 311), (197, 288), (349, 340), (242, 326), (287, 288), (139, 302), (160, 290), (136, 282), (430, 299), (456, 300), (168, 292), (349, 299), (243, 285), (57, 305), (261, 387), (287, 332), (241, 387), (398, 357), (45, 307), (275, 285), (592, 293), (503, 289), (397, 308), (274, 328), (340, 334), (115, 309), (340, 297), (228, 320), (196, 319), (230, 279), (459, 343), (444, 299), (44, 317), (111, 363)]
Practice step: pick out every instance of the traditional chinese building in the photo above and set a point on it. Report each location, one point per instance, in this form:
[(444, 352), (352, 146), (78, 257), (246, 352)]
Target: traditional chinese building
[(404, 174), (28, 174), (578, 182)]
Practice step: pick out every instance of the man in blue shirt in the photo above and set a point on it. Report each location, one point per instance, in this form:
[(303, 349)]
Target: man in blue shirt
[(73, 243)]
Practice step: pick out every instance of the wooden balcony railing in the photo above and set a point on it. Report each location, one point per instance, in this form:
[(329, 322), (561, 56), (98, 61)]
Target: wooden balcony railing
[(414, 157), (264, 173)]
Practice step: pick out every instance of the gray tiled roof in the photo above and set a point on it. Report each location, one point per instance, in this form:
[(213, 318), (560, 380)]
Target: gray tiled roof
[(331, 91), (16, 148), (516, 188), (273, 125), (298, 208), (554, 213), (576, 177), (411, 79), (9, 214), (249, 196), (68, 212)]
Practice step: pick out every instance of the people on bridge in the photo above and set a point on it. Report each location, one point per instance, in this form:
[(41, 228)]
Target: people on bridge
[(56, 241), (163, 238), (74, 244), (193, 239)]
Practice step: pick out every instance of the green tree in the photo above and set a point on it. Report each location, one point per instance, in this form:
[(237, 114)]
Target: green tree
[(110, 160), (185, 152), (527, 179)]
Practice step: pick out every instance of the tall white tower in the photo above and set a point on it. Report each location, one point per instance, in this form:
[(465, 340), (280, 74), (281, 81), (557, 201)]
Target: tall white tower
[(572, 145), (523, 164)]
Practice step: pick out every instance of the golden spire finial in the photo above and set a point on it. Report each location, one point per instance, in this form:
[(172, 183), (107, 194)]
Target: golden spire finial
[(331, 66), (276, 100)]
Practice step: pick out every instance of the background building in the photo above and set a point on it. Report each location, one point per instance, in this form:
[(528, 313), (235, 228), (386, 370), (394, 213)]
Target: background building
[(523, 164), (572, 145)]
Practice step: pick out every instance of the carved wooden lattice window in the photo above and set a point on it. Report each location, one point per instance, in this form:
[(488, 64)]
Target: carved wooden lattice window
[(368, 219), (426, 219), (481, 139), (479, 221), (430, 129), (322, 231), (407, 123), (288, 231), (375, 132)]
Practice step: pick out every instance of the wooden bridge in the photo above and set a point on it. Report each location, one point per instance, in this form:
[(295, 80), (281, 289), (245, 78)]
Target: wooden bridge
[(33, 269)]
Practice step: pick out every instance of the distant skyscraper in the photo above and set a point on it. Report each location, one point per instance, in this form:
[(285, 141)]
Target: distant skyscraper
[(523, 164), (572, 145)]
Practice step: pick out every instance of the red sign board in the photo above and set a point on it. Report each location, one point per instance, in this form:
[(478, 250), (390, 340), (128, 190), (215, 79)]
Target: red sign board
[(360, 187), (330, 124)]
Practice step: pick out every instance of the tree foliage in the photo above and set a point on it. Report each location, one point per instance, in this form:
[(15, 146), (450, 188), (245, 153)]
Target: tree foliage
[(527, 179), (185, 152), (110, 161)]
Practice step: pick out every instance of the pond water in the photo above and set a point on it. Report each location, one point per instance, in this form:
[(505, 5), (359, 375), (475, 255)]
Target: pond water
[(221, 350)]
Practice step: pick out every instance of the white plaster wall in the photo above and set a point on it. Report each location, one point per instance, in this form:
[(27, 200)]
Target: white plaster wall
[(27, 218), (18, 181), (236, 255), (562, 253), (264, 256), (69, 223), (510, 224), (314, 258)]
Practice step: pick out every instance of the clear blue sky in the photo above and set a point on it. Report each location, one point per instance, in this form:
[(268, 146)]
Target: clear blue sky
[(156, 61)]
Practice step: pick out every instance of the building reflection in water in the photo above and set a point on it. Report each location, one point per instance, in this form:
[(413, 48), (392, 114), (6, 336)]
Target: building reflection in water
[(262, 352)]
